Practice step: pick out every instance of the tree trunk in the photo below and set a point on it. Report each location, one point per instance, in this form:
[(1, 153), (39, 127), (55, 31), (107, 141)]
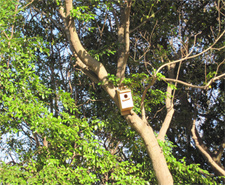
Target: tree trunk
[(162, 172), (86, 62)]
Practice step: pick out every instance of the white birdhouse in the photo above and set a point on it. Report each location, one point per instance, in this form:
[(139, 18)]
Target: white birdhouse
[(125, 101)]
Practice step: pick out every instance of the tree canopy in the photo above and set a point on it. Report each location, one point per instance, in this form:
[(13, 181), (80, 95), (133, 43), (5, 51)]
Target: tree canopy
[(61, 63)]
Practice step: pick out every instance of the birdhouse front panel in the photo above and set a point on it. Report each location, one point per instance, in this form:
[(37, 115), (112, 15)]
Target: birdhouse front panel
[(125, 99)]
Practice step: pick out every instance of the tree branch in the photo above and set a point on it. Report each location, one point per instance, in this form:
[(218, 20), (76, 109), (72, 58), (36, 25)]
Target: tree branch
[(169, 105), (218, 153), (193, 56), (206, 155), (143, 98), (124, 41), (77, 48), (195, 86)]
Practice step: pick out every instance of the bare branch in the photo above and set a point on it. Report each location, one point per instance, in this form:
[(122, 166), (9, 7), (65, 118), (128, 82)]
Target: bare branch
[(184, 83), (158, 111), (195, 86), (143, 98), (217, 69), (206, 155), (214, 79), (194, 56), (5, 34), (169, 105), (218, 153), (27, 4)]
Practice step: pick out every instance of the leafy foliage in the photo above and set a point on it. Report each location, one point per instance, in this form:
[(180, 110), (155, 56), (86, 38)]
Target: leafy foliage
[(181, 171), (58, 127)]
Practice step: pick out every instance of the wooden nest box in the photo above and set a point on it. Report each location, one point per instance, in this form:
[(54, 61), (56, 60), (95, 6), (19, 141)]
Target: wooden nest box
[(125, 101)]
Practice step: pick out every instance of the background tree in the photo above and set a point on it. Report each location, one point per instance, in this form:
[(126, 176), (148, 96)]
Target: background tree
[(169, 55)]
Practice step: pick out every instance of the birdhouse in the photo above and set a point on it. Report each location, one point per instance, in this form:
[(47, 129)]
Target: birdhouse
[(125, 101)]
